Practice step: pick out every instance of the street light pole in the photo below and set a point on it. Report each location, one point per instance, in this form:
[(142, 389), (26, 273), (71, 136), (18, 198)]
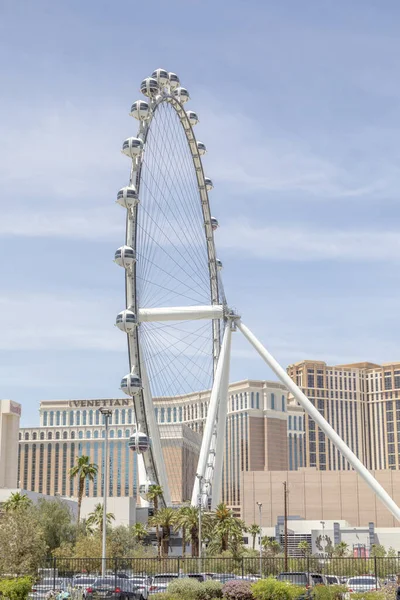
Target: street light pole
[(200, 478), (107, 414), (259, 504), (285, 524)]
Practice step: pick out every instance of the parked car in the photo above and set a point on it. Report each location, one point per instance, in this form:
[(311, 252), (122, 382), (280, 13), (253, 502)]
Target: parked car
[(224, 577), (363, 583), (159, 582), (141, 586), (307, 580), (332, 580), (41, 589), (83, 583), (111, 588), (199, 576)]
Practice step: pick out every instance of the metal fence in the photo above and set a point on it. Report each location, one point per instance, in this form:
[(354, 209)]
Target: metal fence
[(385, 569)]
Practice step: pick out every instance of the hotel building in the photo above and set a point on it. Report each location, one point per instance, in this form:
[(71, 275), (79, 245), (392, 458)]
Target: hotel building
[(257, 438), (361, 401)]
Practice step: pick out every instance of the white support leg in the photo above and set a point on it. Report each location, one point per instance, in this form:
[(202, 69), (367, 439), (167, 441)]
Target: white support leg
[(319, 419), (142, 476), (212, 412), (154, 433), (220, 441)]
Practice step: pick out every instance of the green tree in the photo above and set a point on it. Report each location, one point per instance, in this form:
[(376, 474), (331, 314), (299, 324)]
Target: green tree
[(17, 502), (271, 547), (56, 521), (226, 526), (304, 548), (95, 518), (22, 545), (254, 530), (140, 532), (341, 549), (187, 519), (378, 550), (83, 469), (153, 495), (164, 519)]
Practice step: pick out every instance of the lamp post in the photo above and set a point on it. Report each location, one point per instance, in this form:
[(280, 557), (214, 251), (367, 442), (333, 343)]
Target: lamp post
[(106, 412), (259, 504), (201, 479)]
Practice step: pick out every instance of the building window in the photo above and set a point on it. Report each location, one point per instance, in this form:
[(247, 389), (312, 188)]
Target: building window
[(96, 434), (88, 435), (257, 400), (310, 378), (58, 418), (119, 434), (49, 435), (64, 418), (175, 414), (180, 414), (116, 417), (283, 404), (80, 435), (34, 435), (51, 418), (57, 435), (273, 401), (162, 415), (130, 416), (84, 417), (65, 435), (290, 422), (97, 417), (26, 436), (72, 435), (71, 418), (295, 423), (111, 433), (45, 418)]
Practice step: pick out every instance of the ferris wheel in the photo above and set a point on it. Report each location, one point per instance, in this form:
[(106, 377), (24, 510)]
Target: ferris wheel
[(177, 320)]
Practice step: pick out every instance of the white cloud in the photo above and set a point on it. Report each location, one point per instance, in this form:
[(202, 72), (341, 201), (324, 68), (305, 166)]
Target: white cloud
[(302, 244), (49, 322)]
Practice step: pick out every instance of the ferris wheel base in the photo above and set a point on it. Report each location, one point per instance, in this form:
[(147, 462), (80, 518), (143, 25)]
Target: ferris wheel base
[(180, 313)]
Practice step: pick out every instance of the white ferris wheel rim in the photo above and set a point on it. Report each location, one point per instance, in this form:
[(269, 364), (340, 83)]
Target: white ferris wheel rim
[(143, 402)]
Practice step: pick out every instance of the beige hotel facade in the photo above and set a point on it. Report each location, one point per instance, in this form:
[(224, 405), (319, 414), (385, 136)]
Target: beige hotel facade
[(362, 403), (257, 439)]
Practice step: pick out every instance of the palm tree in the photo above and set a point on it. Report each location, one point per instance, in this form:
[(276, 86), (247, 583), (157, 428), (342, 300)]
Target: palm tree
[(165, 519), (140, 532), (304, 548), (254, 530), (340, 549), (187, 519), (226, 525), (16, 502), (155, 492), (95, 518), (271, 547), (82, 469)]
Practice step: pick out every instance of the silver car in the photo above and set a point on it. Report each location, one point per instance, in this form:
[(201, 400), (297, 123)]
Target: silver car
[(363, 583)]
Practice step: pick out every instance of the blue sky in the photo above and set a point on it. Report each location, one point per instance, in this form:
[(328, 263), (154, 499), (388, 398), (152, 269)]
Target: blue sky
[(299, 108)]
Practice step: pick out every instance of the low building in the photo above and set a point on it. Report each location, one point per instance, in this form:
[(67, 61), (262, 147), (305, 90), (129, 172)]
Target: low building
[(318, 495), (10, 414)]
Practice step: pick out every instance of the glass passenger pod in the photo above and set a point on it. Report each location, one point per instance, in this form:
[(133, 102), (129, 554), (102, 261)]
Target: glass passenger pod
[(219, 264), (201, 148), (161, 76), (131, 384), (214, 223), (140, 110), (193, 118), (132, 147), (125, 257), (181, 94), (209, 184), (149, 87), (173, 80), (126, 321), (139, 442), (127, 197)]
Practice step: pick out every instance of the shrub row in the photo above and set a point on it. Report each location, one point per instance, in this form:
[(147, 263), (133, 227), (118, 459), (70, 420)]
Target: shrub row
[(15, 589)]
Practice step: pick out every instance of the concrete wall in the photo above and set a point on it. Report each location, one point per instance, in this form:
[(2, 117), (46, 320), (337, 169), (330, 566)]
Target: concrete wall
[(321, 495), (10, 414)]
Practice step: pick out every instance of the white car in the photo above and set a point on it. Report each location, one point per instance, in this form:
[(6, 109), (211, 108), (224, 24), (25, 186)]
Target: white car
[(363, 583)]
